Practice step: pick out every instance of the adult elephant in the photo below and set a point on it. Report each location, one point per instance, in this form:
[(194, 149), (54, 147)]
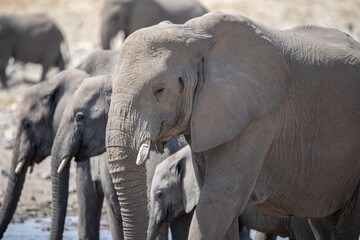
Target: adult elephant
[(30, 38), (96, 64), (39, 118), (272, 117), (131, 15), (81, 135)]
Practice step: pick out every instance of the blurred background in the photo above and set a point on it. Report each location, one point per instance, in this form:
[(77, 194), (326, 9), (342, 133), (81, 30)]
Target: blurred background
[(80, 23)]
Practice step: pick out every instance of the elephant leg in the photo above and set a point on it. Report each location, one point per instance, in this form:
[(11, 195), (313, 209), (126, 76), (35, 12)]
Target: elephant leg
[(348, 224), (3, 77), (44, 71), (90, 202), (180, 226), (244, 232), (112, 202), (60, 62), (231, 173), (323, 228)]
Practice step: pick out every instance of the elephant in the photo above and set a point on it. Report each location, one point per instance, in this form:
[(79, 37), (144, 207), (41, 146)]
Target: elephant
[(270, 115), (94, 92), (40, 114), (81, 134), (30, 38), (175, 192), (96, 64), (131, 15)]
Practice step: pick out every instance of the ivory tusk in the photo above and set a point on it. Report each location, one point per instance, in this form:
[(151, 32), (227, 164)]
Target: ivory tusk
[(32, 167), (63, 164), (143, 152), (20, 166)]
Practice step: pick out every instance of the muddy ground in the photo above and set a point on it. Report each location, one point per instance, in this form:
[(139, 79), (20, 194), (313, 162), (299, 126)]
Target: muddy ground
[(80, 23)]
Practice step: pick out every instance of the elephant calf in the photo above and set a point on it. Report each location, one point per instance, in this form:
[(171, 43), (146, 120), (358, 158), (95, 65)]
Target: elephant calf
[(174, 194), (31, 38)]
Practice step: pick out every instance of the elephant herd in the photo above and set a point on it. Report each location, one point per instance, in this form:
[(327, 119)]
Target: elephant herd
[(205, 126)]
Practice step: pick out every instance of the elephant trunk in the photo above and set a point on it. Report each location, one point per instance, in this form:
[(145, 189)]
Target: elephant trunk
[(129, 179), (130, 184), (153, 228), (13, 191), (60, 192)]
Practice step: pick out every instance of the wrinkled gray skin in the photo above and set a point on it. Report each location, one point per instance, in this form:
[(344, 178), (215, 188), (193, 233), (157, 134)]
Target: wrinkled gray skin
[(30, 38), (94, 183), (60, 182), (81, 134), (39, 118), (175, 192), (131, 15), (276, 112), (93, 179)]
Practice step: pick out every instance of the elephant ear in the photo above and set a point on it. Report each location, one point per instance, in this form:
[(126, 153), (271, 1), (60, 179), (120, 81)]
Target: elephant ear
[(49, 95), (242, 76), (189, 186)]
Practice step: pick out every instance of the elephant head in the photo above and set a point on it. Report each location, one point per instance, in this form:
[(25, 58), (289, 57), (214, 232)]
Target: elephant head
[(82, 129), (40, 114), (190, 79), (173, 190), (99, 62), (114, 16)]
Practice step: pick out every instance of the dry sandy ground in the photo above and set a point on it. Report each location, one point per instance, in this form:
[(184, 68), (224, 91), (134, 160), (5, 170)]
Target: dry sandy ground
[(80, 22)]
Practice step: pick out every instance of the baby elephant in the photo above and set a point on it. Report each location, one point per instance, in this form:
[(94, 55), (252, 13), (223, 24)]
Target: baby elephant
[(174, 194), (30, 38)]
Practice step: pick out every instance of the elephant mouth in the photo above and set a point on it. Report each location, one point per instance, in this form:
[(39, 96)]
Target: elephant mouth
[(168, 216)]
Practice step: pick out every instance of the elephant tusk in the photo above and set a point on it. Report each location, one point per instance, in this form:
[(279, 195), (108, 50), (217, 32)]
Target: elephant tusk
[(32, 167), (143, 152), (63, 164), (20, 166)]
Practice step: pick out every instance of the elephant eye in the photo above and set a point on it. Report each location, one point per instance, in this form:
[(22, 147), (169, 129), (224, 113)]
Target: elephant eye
[(80, 118), (158, 91), (181, 83), (158, 195), (26, 124)]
